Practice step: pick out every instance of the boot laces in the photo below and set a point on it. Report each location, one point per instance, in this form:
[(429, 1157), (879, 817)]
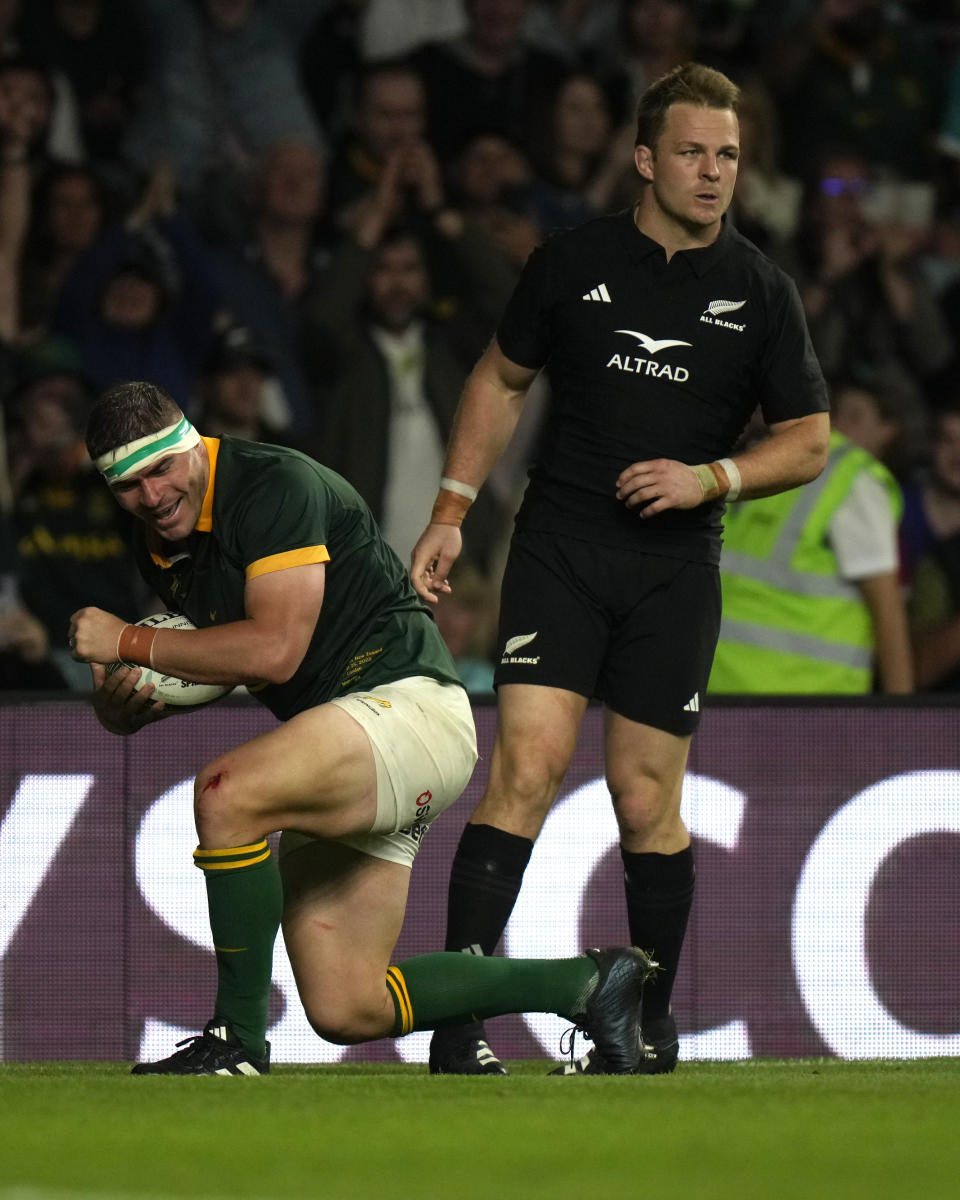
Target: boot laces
[(568, 1042)]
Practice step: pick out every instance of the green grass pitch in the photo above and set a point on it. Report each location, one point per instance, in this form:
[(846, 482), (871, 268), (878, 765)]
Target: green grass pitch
[(783, 1130)]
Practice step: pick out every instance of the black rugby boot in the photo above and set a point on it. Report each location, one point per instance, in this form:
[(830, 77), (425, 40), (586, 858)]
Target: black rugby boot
[(463, 1050), (216, 1051), (612, 1015), (659, 1051)]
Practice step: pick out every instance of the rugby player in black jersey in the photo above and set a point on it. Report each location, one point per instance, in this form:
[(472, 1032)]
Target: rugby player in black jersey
[(661, 330), (279, 564)]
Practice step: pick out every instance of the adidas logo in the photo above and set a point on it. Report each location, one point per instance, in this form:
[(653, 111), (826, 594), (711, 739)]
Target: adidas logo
[(693, 704), (598, 293), (485, 1054)]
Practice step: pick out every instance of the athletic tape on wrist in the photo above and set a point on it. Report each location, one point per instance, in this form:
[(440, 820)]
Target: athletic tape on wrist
[(461, 489), (135, 646), (449, 508), (733, 474), (709, 483), (141, 453)]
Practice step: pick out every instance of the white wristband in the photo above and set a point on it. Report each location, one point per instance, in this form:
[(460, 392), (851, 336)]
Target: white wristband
[(461, 489), (733, 474)]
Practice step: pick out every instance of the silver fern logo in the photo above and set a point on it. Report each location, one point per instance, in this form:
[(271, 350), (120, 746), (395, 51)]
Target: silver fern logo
[(711, 315), (716, 307), (517, 643)]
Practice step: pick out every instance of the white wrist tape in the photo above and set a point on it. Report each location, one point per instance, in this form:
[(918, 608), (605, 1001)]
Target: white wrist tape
[(461, 489), (733, 474)]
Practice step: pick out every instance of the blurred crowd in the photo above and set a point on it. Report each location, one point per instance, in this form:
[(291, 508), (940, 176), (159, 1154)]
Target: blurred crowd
[(303, 218)]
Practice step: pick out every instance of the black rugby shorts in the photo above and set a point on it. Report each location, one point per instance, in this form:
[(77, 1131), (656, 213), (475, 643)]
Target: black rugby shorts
[(637, 631)]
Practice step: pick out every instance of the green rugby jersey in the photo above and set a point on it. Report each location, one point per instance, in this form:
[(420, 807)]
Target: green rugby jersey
[(268, 508)]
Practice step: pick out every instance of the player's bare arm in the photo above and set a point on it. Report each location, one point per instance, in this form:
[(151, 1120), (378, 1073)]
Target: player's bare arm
[(794, 453), (266, 647), (486, 418)]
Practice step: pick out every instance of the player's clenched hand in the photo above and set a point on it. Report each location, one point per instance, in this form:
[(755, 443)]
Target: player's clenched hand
[(94, 635), (118, 707), (657, 485), (433, 556)]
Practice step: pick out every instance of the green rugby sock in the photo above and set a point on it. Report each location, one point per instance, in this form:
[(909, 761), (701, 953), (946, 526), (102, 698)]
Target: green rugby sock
[(245, 899), (447, 988)]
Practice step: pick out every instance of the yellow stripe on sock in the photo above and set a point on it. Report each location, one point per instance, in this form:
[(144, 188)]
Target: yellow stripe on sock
[(200, 853), (232, 866), (398, 987)]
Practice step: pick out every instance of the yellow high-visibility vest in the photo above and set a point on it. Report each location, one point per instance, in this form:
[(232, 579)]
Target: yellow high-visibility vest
[(791, 624)]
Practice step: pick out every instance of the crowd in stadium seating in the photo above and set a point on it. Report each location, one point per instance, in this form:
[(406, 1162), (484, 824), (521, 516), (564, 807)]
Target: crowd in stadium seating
[(302, 218)]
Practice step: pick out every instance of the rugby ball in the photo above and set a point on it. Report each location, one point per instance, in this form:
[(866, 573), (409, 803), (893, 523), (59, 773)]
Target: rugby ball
[(169, 688)]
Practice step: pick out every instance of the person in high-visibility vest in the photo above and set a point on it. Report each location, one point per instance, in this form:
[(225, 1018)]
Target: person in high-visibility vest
[(811, 595)]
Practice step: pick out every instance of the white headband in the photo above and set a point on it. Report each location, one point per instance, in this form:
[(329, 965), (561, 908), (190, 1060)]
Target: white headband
[(138, 455)]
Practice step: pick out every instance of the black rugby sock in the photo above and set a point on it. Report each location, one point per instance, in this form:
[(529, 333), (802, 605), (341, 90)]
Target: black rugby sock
[(485, 881), (659, 890)]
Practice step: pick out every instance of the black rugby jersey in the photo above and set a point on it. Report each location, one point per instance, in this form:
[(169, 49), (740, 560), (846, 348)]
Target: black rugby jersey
[(268, 508), (651, 359)]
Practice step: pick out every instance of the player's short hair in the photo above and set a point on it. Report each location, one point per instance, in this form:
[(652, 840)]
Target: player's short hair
[(128, 411), (690, 83)]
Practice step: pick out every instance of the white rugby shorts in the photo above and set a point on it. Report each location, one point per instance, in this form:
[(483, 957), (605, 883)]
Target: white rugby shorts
[(425, 748)]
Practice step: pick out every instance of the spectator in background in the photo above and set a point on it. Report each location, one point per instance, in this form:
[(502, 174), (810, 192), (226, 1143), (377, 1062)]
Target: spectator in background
[(25, 661), (403, 368), (100, 48), (583, 168), (768, 202), (866, 412), (26, 110), (18, 124), (865, 294), (61, 139), (811, 589), (387, 124), (861, 72), (934, 614), (271, 274), (142, 301), (388, 174), (235, 389), (491, 182), (224, 90), (69, 213), (651, 37), (488, 78), (330, 59), (932, 497), (72, 542)]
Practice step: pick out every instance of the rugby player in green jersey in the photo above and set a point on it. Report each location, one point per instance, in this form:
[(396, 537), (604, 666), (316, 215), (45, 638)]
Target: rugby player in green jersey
[(279, 564)]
